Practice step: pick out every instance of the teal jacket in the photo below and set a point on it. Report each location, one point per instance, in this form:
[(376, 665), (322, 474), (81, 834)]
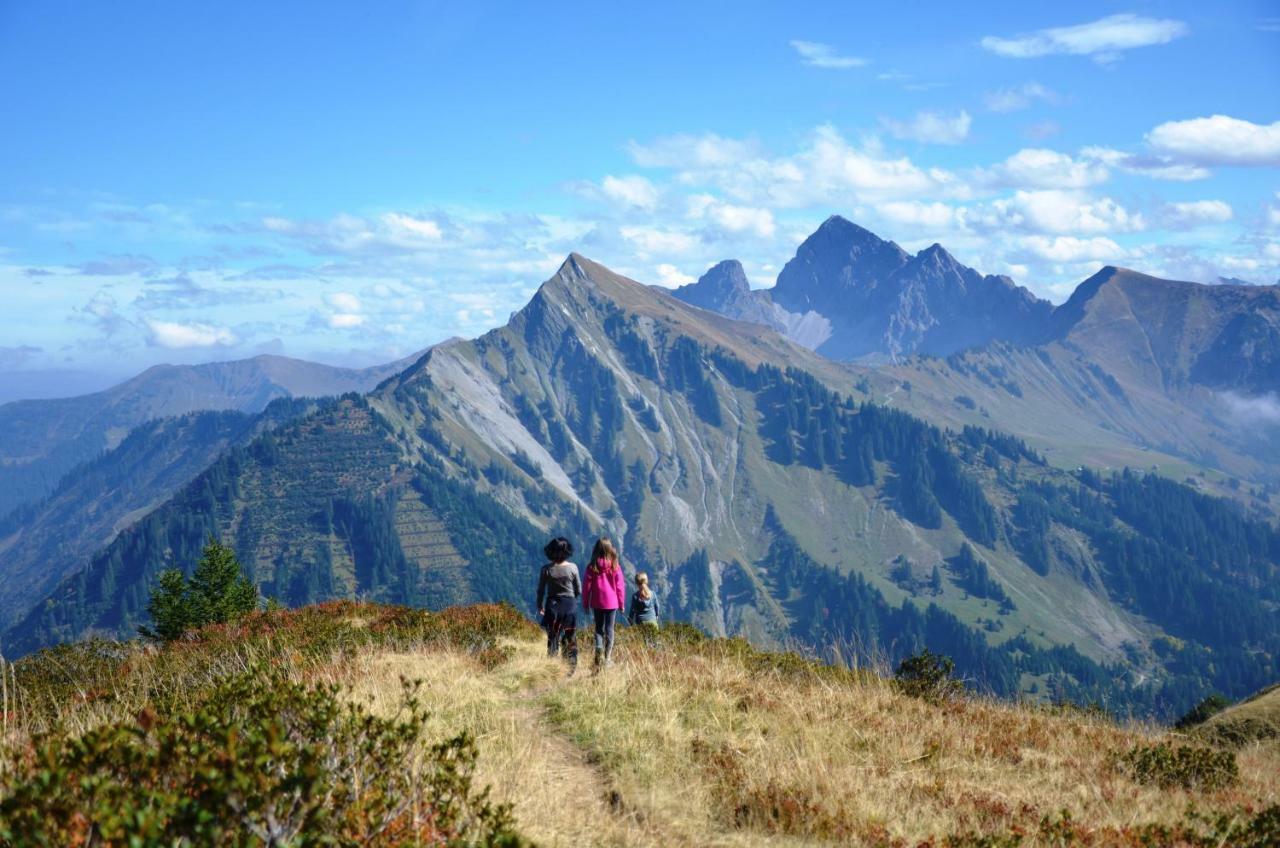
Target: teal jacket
[(643, 610)]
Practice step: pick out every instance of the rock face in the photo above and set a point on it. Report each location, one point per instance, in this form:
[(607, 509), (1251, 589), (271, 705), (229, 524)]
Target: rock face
[(724, 289), (885, 303)]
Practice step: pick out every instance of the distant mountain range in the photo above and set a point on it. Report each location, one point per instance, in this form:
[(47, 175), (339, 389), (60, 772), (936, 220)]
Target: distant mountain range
[(873, 300), (1131, 370), (771, 491), (41, 440)]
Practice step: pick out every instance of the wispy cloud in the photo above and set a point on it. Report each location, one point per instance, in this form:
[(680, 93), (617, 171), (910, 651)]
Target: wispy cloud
[(1018, 97), (818, 55), (1188, 214), (1147, 165), (1262, 409), (1103, 40), (932, 127)]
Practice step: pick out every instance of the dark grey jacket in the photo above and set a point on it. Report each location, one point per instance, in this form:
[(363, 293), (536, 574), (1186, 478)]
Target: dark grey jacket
[(558, 580)]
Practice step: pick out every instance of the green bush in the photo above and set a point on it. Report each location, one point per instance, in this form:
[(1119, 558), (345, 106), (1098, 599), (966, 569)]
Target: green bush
[(218, 592), (259, 760), (928, 676), (1181, 766)]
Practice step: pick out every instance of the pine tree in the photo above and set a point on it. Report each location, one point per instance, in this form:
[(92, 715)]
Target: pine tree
[(217, 592)]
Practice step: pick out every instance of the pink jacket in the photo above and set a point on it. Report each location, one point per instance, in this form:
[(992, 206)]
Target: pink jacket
[(604, 589)]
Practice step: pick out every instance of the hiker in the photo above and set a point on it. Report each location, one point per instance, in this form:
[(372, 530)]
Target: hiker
[(557, 602), (644, 608), (604, 594)]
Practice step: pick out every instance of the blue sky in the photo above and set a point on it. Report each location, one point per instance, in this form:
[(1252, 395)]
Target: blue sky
[(352, 182)]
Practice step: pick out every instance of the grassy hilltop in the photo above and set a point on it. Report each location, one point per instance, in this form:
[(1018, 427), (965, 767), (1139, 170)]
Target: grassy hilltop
[(362, 723)]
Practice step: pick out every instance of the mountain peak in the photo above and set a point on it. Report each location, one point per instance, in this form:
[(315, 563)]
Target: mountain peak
[(724, 279)]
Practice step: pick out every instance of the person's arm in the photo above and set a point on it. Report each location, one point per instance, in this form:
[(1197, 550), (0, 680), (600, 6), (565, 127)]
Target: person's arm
[(577, 583), (619, 585), (631, 610), (542, 588)]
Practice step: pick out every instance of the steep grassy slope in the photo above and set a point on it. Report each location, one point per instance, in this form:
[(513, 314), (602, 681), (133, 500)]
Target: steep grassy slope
[(42, 543), (743, 473), (1076, 410), (687, 742), (41, 440), (1254, 720)]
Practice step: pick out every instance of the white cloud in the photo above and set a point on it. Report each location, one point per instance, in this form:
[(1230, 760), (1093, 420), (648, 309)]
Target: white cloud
[(631, 190), (1035, 167), (911, 213), (412, 229), (818, 55), (345, 320), (1018, 97), (669, 276), (1219, 140), (1156, 167), (651, 240), (827, 171), (344, 302), (1054, 211), (1072, 249), (1103, 39), (692, 151), (1261, 409), (1189, 214), (176, 336), (731, 218), (932, 127)]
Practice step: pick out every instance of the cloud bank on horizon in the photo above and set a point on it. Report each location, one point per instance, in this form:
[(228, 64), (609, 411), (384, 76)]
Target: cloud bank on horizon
[(356, 206)]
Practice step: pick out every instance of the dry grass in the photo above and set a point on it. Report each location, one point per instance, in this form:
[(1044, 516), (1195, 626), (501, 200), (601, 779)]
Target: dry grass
[(686, 745), (673, 747)]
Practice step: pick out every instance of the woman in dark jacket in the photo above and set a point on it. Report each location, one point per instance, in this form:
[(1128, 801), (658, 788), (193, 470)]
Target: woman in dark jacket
[(558, 591)]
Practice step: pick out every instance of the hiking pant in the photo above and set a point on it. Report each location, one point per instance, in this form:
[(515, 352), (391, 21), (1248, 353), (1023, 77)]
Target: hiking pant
[(604, 633), (561, 623)]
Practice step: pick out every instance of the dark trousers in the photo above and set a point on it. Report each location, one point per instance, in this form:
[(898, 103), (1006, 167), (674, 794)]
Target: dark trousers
[(561, 623), (604, 633)]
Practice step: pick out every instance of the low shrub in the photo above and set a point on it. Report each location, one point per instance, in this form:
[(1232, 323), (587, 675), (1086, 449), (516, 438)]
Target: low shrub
[(928, 676), (56, 681), (1181, 766), (260, 760)]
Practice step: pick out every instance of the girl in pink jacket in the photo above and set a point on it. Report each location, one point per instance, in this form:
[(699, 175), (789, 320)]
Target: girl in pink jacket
[(604, 593)]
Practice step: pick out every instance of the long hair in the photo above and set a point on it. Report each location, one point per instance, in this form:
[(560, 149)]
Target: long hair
[(642, 586), (604, 556)]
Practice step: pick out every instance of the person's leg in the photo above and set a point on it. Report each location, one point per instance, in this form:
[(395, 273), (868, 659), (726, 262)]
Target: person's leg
[(569, 638), (551, 623), (599, 627), (610, 617)]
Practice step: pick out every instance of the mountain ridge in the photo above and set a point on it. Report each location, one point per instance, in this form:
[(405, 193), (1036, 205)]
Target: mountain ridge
[(745, 473), (41, 440)]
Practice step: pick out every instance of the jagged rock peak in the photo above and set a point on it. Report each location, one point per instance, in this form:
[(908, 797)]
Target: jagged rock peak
[(723, 279)]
